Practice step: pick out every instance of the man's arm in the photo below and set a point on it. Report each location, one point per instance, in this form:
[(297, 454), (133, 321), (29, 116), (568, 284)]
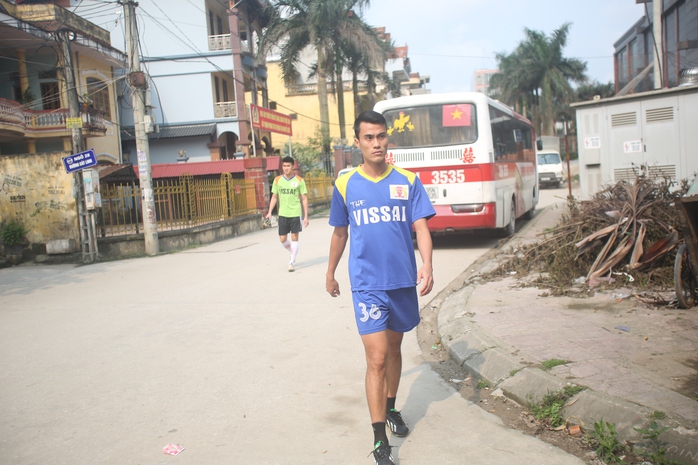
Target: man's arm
[(425, 274), (337, 245), (272, 203), (304, 202)]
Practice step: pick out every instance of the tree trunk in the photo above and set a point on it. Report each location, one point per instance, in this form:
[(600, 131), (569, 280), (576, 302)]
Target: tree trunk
[(547, 110), (322, 98), (355, 88), (340, 102)]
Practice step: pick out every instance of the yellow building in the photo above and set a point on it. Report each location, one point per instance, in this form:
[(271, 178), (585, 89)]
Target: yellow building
[(300, 101)]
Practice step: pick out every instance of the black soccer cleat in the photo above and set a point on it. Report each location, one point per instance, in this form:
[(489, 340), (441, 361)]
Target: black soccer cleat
[(396, 424), (381, 454)]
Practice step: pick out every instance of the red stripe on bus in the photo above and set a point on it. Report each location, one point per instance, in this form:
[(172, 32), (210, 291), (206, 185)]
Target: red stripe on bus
[(482, 172), (446, 220)]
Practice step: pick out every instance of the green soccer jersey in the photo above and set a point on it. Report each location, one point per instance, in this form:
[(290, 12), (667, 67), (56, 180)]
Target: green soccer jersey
[(288, 192)]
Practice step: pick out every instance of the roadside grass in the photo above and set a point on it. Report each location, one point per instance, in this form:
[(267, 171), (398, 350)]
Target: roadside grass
[(657, 452), (604, 440), (549, 409), (553, 362)]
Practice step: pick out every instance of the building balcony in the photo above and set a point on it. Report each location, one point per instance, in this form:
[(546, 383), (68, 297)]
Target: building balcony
[(219, 42), (225, 110), (223, 42), (19, 122), (308, 89)]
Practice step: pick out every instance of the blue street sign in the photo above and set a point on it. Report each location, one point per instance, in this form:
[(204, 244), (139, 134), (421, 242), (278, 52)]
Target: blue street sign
[(79, 161)]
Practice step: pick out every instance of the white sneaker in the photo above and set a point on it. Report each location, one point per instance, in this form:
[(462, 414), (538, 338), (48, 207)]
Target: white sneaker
[(291, 268)]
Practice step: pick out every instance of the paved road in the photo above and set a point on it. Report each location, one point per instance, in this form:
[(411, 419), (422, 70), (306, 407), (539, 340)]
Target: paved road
[(223, 351)]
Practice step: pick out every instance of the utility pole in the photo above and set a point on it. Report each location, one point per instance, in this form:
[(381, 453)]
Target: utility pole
[(88, 238), (658, 43), (567, 155), (139, 83)]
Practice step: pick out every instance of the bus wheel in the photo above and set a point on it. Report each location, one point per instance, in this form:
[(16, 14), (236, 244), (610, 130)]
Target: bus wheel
[(510, 229)]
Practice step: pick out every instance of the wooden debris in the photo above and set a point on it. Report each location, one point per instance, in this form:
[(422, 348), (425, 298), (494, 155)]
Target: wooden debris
[(628, 227)]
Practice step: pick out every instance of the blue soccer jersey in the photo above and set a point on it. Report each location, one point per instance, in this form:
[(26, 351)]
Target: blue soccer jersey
[(380, 213)]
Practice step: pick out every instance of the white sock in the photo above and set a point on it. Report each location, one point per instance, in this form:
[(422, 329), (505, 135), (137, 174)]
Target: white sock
[(294, 251), (286, 245)]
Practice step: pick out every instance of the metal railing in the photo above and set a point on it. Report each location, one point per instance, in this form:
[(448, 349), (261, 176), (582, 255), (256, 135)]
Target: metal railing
[(187, 202), (319, 188), (33, 122), (225, 110), (311, 88), (180, 203), (219, 42)]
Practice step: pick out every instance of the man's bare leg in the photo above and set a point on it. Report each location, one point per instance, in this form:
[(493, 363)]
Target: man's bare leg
[(394, 362), (376, 347)]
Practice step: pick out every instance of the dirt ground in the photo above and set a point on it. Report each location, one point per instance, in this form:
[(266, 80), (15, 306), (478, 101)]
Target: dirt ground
[(511, 413)]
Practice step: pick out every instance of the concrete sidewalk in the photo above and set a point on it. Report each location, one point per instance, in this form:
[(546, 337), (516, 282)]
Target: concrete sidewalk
[(634, 359)]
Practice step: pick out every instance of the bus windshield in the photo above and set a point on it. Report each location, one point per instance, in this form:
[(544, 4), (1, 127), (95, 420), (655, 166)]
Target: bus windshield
[(432, 125)]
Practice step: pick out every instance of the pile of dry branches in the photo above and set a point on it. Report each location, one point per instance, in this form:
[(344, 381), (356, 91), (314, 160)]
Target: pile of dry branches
[(622, 235)]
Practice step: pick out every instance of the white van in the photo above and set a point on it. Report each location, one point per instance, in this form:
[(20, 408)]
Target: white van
[(551, 171), (344, 171)]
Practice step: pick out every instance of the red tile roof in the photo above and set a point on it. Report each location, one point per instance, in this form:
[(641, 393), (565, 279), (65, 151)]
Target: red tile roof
[(204, 168)]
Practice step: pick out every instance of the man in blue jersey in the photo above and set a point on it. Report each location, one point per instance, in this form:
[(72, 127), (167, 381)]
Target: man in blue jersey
[(381, 203)]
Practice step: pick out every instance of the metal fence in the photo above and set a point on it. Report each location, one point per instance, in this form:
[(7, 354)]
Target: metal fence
[(319, 188), (187, 202)]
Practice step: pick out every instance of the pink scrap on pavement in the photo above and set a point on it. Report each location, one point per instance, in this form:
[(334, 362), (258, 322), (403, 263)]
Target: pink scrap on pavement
[(172, 449)]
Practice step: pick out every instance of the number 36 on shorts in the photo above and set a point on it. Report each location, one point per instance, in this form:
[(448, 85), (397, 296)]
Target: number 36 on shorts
[(374, 313)]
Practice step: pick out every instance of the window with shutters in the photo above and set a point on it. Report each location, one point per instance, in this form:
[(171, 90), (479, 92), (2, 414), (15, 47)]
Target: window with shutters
[(98, 92)]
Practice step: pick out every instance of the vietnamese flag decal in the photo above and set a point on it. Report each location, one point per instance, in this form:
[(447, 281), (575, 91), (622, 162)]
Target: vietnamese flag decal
[(456, 115)]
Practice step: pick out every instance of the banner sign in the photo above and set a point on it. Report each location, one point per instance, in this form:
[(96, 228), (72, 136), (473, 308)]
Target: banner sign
[(73, 123), (269, 120), (79, 161)]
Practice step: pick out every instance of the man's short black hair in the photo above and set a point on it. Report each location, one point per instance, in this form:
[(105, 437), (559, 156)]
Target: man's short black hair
[(288, 159), (368, 116)]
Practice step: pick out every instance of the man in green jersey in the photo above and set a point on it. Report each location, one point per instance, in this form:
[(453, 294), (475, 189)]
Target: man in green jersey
[(290, 193)]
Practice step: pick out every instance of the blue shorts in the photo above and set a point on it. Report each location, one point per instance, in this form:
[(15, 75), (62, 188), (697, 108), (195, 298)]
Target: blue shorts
[(396, 310)]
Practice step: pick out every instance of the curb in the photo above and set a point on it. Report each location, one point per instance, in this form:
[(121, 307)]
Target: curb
[(486, 357)]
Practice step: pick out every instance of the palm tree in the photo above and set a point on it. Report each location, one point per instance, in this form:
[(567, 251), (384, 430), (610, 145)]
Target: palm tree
[(293, 26), (585, 91), (367, 62), (588, 90), (325, 25), (510, 85), (360, 50), (538, 70)]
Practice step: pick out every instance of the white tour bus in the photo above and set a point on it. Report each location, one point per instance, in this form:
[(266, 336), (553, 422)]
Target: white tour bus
[(475, 156)]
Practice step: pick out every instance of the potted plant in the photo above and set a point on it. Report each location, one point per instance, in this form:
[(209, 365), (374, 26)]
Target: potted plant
[(27, 98), (13, 234)]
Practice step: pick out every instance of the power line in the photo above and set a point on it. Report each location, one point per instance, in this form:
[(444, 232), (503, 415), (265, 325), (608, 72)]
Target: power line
[(491, 57)]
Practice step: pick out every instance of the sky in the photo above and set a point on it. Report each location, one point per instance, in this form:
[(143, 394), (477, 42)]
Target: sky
[(449, 39)]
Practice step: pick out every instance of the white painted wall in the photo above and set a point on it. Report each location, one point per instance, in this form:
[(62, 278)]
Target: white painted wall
[(175, 27)]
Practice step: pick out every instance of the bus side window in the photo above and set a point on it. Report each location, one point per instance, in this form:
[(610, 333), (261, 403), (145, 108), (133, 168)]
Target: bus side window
[(500, 150)]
